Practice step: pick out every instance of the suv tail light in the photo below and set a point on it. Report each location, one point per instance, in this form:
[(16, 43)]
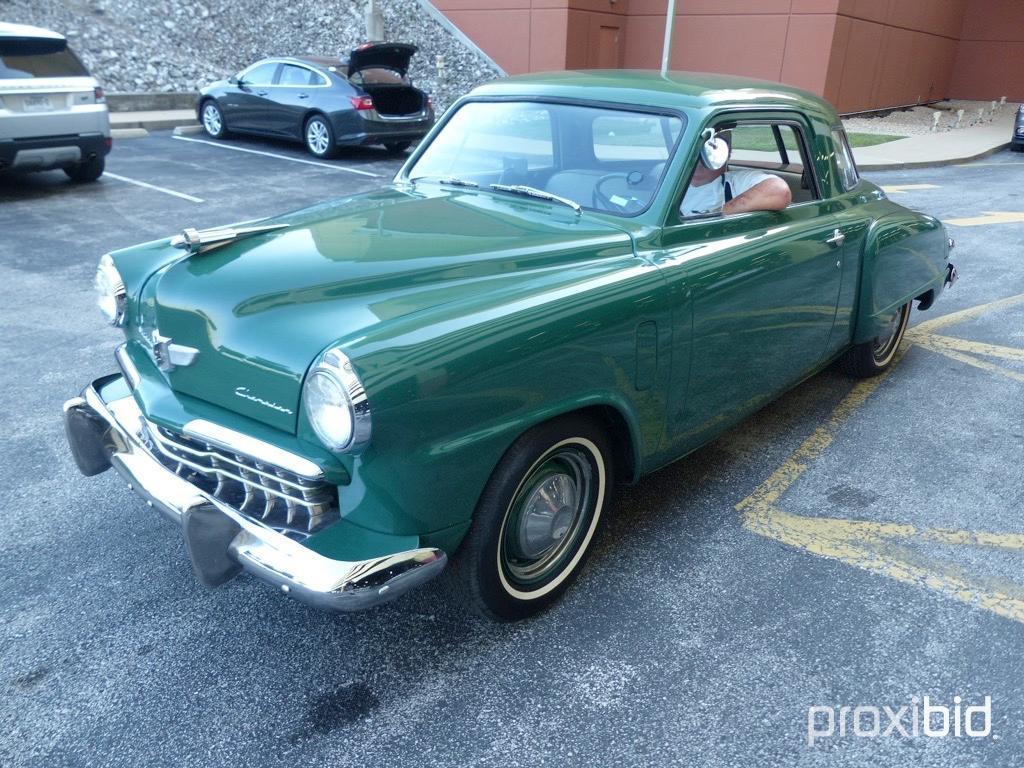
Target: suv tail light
[(99, 96), (361, 103)]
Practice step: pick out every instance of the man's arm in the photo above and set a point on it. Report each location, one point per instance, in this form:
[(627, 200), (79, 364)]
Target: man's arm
[(772, 194)]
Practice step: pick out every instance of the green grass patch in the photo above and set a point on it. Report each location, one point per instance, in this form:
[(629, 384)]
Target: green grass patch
[(759, 138)]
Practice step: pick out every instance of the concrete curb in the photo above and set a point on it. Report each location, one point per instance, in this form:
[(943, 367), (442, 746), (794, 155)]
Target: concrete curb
[(128, 133), (931, 163), (187, 130)]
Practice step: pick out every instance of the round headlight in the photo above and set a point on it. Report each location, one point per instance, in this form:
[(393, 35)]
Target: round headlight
[(110, 291), (336, 404)]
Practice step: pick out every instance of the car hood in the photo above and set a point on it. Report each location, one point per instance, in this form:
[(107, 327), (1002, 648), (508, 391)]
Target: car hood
[(260, 310)]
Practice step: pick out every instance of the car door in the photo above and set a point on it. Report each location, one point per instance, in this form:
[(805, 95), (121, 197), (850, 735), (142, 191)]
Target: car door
[(293, 95), (756, 299), (248, 101)]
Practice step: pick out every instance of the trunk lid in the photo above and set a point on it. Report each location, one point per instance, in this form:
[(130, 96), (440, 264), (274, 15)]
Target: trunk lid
[(394, 56), (259, 310)]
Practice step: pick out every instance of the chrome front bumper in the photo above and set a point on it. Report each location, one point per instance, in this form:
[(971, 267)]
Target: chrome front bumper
[(221, 541)]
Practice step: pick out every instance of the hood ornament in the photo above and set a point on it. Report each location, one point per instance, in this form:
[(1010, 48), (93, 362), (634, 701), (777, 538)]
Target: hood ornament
[(202, 240)]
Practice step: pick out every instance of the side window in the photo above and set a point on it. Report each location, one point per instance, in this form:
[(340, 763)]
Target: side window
[(295, 76), (848, 175), (262, 74), (759, 150)]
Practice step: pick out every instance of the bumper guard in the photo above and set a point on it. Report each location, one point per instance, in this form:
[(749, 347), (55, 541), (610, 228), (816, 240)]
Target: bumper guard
[(221, 541)]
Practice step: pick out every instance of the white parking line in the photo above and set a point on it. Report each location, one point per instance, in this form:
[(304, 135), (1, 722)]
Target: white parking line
[(279, 157), (138, 183)]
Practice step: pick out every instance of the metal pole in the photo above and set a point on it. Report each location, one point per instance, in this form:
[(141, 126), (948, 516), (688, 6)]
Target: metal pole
[(666, 51)]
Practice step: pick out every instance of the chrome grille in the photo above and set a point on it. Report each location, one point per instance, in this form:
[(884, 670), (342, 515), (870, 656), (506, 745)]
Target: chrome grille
[(283, 500)]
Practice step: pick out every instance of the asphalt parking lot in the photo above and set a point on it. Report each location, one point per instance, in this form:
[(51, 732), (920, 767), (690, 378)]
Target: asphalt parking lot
[(852, 544)]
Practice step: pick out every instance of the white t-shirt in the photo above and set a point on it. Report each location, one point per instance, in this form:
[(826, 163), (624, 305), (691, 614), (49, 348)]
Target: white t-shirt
[(710, 197)]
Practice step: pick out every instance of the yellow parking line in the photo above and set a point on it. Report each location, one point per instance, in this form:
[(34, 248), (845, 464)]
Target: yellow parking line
[(937, 342), (881, 547)]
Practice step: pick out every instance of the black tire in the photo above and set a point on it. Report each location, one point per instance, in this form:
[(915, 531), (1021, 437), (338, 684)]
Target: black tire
[(322, 148), (397, 146), (212, 119), (874, 357), (521, 555), (88, 171)]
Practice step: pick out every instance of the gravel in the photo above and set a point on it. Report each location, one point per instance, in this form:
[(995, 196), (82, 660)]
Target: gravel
[(182, 45), (916, 121)]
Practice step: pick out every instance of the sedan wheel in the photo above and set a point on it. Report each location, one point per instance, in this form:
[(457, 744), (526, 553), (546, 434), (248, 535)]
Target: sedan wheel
[(319, 137), (536, 520), (213, 120), (873, 357)]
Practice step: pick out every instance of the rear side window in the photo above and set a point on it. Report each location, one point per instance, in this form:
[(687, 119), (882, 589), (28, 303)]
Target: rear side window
[(17, 64), (776, 144), (848, 175), (292, 75)]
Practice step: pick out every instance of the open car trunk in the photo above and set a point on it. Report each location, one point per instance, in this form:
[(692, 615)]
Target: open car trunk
[(381, 69), (396, 100)]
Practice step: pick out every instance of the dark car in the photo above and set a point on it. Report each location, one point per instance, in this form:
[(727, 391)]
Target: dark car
[(323, 102), (1017, 141)]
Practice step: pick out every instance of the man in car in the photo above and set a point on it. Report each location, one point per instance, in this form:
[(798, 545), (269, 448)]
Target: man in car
[(733, 191)]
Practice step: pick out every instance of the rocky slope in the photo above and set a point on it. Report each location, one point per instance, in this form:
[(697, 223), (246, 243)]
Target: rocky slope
[(180, 45)]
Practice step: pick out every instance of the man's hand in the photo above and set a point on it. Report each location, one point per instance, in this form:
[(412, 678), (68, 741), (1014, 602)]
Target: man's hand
[(770, 195)]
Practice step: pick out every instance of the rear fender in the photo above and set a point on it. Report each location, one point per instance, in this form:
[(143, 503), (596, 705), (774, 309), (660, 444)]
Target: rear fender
[(905, 257)]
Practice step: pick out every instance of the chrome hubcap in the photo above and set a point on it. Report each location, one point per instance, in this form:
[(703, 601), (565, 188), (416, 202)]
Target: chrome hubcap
[(547, 516), (316, 137), (211, 119), (885, 342)]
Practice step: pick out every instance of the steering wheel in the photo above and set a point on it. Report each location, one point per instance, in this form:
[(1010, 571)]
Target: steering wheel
[(612, 202)]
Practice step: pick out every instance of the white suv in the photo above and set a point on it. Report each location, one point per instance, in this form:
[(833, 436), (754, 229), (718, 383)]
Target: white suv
[(52, 112)]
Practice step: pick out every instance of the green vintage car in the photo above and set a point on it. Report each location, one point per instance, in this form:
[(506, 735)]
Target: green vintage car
[(460, 365)]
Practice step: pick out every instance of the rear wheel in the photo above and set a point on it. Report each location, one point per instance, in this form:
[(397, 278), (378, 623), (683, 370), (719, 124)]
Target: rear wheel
[(536, 520), (88, 171), (397, 146), (874, 357), (319, 137), (213, 120)]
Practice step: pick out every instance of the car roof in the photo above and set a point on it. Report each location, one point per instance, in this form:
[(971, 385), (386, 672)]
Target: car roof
[(26, 31), (319, 61), (676, 90)]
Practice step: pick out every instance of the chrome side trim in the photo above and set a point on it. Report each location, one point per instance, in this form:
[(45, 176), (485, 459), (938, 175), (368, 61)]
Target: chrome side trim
[(333, 585)]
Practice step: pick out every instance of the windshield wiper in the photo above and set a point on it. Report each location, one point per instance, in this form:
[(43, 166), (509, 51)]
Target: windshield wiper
[(454, 181), (522, 189)]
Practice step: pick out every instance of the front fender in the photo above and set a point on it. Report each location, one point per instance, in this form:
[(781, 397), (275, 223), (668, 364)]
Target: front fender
[(905, 256)]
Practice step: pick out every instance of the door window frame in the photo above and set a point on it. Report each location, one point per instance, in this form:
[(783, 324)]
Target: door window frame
[(745, 118)]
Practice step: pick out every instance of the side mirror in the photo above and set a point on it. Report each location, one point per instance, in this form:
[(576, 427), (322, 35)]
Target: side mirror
[(236, 80), (714, 152)]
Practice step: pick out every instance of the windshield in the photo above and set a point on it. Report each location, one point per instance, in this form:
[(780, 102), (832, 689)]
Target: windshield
[(609, 160)]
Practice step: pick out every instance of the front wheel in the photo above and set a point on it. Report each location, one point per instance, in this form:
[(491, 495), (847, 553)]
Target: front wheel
[(874, 357), (319, 137), (88, 171), (213, 120), (536, 520)]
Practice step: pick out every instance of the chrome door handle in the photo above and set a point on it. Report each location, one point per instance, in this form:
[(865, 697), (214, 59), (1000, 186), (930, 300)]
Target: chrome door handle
[(837, 238), (303, 95), (261, 93)]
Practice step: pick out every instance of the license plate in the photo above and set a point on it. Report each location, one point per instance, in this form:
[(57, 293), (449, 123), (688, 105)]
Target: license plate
[(36, 103)]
